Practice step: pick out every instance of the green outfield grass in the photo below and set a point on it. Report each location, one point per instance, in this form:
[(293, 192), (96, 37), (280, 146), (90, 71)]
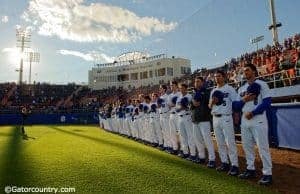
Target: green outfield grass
[(92, 160)]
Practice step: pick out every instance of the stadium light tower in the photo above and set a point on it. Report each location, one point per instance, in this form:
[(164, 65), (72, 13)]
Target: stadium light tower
[(274, 24), (32, 57), (23, 41)]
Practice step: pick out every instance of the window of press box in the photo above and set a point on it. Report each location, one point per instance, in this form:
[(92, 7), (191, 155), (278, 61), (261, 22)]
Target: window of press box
[(161, 72), (144, 75), (170, 71), (185, 70), (150, 74), (134, 76), (123, 77)]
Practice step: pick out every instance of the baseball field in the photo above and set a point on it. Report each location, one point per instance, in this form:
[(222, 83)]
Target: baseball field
[(94, 161)]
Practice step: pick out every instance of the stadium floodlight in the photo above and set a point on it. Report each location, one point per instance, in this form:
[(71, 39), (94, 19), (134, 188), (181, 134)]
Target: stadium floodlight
[(32, 57), (23, 41), (256, 40)]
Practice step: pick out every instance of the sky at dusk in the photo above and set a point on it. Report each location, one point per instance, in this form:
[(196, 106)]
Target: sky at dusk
[(73, 35)]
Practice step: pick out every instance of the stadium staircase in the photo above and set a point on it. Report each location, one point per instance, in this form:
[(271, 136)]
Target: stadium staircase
[(68, 102)]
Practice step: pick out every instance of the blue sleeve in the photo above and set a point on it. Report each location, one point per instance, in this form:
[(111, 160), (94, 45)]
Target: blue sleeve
[(237, 105), (266, 102)]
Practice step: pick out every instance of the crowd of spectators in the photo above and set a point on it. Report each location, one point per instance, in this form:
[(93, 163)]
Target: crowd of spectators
[(278, 65), (277, 62)]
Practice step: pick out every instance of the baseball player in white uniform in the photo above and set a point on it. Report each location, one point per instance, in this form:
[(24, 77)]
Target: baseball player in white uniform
[(128, 117), (254, 98), (154, 119), (120, 119), (134, 121), (164, 116), (185, 128), (101, 117), (147, 130), (173, 126), (220, 102)]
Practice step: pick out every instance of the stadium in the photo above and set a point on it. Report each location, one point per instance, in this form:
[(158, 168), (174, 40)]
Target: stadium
[(185, 106)]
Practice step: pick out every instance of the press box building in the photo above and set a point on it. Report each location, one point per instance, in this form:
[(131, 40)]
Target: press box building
[(136, 69)]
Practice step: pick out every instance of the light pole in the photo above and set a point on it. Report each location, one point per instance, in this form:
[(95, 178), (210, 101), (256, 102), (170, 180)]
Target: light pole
[(23, 40), (32, 57), (274, 24)]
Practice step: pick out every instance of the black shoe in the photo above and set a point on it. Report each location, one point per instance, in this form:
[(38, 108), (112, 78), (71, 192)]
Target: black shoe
[(234, 171), (201, 160), (168, 150), (248, 174), (224, 167), (182, 155), (154, 144), (174, 152), (211, 164), (265, 180), (191, 158), (161, 147), (195, 159)]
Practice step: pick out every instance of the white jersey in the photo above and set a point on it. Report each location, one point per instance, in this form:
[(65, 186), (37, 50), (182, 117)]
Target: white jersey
[(251, 105), (188, 96), (130, 107), (170, 104), (230, 95), (113, 113), (164, 106)]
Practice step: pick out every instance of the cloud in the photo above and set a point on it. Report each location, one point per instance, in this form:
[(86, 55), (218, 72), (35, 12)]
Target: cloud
[(4, 19), (90, 56), (75, 20)]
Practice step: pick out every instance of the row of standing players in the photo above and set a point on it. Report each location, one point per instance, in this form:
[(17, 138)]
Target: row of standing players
[(180, 123)]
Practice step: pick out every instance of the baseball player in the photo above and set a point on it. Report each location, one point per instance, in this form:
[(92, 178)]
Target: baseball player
[(128, 117), (133, 122), (105, 123), (120, 118), (220, 102), (201, 123), (113, 119), (140, 122), (254, 99), (173, 128), (24, 113), (100, 116), (108, 117), (147, 130), (154, 120), (164, 116), (184, 124)]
